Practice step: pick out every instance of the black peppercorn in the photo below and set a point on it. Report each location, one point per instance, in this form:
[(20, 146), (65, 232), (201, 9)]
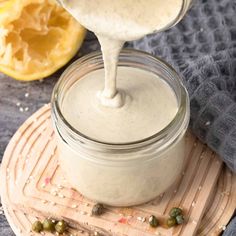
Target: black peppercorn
[(98, 209), (179, 219), (61, 227), (171, 222), (153, 221), (37, 226), (48, 225), (175, 212)]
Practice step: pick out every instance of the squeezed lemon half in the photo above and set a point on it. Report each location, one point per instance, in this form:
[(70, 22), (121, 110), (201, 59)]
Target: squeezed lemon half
[(37, 37)]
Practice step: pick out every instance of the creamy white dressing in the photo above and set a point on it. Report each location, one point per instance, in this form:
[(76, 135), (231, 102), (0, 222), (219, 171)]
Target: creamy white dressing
[(117, 21), (149, 105)]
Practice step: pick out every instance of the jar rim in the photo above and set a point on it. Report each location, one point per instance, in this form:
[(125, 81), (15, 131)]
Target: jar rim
[(178, 120), (184, 7)]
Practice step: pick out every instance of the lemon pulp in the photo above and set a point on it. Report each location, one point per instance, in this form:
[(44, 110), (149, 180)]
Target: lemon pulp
[(37, 37)]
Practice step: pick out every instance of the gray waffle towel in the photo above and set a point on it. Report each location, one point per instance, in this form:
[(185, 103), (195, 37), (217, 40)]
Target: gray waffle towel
[(202, 48)]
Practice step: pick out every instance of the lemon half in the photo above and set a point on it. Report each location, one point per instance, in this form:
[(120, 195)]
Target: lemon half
[(37, 37)]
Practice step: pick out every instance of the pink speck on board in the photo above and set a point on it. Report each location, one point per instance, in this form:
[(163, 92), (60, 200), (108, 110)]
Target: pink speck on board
[(74, 193), (122, 220), (47, 181)]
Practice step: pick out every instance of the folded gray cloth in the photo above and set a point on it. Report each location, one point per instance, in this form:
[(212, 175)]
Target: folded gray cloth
[(211, 85), (202, 48)]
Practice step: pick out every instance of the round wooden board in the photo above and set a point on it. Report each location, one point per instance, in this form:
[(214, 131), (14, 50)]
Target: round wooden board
[(221, 202)]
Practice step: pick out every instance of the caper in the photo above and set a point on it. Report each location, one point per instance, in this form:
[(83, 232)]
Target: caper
[(179, 219), (175, 212), (37, 226), (48, 225), (61, 227), (98, 209), (153, 221), (171, 222)]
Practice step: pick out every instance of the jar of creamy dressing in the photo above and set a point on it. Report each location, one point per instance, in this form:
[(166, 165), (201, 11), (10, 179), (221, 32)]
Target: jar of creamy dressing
[(122, 163)]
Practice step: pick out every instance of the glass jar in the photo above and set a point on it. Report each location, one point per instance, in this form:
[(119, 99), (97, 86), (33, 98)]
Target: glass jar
[(121, 174)]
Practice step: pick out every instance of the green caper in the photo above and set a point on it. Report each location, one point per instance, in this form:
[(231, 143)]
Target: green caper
[(171, 222), (48, 225), (98, 209), (61, 227), (175, 212), (179, 219), (153, 221), (37, 226)]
